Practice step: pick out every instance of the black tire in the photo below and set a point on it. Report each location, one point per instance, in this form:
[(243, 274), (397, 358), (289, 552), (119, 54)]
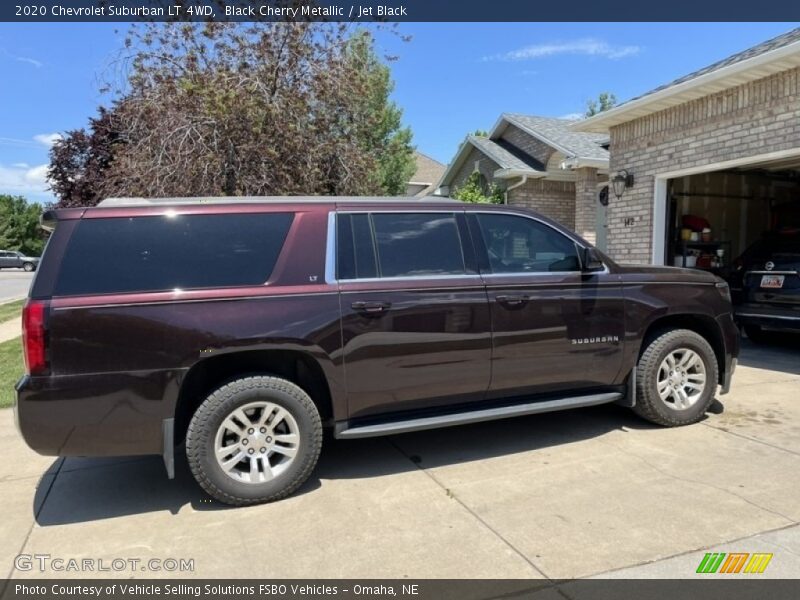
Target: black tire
[(28, 267), (756, 334), (203, 429), (649, 405)]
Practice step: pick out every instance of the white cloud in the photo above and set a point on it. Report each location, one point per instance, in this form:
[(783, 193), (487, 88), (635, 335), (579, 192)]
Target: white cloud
[(47, 139), (23, 59), (24, 180), (585, 47), (573, 116), (31, 61)]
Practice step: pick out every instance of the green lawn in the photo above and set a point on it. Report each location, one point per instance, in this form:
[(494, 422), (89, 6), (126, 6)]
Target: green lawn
[(11, 369), (11, 310)]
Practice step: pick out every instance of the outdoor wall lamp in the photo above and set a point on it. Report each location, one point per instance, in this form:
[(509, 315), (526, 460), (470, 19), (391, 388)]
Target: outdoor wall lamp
[(621, 181)]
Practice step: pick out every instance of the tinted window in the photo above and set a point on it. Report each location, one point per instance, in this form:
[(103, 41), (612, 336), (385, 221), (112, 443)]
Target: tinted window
[(417, 244), (355, 251), (522, 245), (163, 253)]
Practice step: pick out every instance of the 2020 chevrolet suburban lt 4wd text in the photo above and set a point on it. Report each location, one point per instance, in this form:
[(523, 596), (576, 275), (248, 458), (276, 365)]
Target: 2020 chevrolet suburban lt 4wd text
[(242, 327)]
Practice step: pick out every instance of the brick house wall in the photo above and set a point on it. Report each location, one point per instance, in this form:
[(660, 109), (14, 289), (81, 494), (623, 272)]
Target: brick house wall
[(554, 199), (586, 203), (752, 119)]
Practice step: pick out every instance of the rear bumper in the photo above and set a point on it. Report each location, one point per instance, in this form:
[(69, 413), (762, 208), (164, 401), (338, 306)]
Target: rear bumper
[(765, 315), (95, 415)]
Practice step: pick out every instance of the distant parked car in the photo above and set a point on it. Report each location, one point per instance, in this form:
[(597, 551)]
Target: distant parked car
[(11, 259), (770, 284)]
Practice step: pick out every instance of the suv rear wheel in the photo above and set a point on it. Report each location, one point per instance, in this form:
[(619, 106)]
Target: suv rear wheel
[(676, 379), (254, 440)]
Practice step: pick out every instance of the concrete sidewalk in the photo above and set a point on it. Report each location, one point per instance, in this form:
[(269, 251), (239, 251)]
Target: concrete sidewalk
[(590, 492), (10, 329)]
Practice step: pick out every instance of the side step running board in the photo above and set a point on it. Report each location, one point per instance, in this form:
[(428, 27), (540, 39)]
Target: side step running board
[(462, 418)]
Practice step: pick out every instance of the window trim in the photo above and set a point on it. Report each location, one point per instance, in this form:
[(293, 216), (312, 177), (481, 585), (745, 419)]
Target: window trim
[(331, 255), (331, 247)]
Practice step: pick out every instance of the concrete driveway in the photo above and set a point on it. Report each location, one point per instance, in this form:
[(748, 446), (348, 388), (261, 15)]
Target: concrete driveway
[(14, 283), (590, 492)]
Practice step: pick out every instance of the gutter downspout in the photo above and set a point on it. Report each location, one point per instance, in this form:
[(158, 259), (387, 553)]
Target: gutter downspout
[(521, 182)]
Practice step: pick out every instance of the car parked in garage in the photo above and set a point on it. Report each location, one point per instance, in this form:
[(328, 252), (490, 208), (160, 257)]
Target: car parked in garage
[(242, 327), (12, 259), (770, 284)]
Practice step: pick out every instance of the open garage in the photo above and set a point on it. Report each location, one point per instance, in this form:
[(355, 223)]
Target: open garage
[(713, 217)]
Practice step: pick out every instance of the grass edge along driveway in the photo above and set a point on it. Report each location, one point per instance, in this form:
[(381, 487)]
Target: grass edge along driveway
[(11, 310), (11, 369)]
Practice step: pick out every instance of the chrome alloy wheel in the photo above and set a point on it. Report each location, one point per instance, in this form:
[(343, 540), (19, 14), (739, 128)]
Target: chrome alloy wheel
[(257, 442), (681, 379)]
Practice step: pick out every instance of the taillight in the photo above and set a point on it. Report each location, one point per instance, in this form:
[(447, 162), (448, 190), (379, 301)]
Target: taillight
[(33, 337)]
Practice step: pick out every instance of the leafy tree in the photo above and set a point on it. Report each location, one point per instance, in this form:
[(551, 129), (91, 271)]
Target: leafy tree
[(81, 159), (476, 190), (380, 122), (241, 109), (19, 225), (604, 101), (480, 133)]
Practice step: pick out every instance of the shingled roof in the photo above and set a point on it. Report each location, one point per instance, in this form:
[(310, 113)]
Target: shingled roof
[(504, 154), (778, 54), (558, 134), (777, 42)]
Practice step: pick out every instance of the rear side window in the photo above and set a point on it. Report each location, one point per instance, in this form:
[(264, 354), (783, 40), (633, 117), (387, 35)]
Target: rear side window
[(148, 254), (418, 244), (398, 245), (355, 248)]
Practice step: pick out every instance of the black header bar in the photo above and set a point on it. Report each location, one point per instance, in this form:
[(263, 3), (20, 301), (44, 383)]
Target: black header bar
[(364, 11)]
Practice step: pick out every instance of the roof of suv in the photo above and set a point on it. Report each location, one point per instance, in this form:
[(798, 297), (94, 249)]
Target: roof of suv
[(125, 207), (133, 202)]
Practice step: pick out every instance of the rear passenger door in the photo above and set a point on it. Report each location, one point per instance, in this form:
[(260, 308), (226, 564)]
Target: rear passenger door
[(415, 317), (555, 327), (7, 260)]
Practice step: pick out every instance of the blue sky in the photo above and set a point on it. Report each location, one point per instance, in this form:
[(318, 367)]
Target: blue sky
[(451, 78)]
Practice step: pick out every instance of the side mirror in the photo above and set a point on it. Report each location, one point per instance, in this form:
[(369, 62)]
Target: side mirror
[(592, 261)]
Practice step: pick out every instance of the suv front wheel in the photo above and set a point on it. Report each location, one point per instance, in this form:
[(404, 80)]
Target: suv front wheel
[(676, 378), (254, 440)]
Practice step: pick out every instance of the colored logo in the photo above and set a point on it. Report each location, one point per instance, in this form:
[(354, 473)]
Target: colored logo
[(734, 562)]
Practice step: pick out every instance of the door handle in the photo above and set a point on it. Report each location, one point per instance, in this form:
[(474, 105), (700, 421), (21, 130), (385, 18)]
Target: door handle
[(371, 307), (513, 299)]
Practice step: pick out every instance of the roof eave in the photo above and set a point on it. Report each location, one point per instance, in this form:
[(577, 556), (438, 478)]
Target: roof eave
[(751, 69), (455, 164), (578, 162), (513, 173)]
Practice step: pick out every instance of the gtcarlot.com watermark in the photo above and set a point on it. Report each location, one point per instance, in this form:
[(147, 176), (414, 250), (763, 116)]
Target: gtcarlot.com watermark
[(46, 563)]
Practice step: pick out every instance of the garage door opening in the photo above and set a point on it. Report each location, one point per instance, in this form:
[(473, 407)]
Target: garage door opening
[(712, 218)]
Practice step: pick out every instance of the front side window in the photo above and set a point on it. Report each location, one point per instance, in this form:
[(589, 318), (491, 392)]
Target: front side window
[(517, 244), (383, 245)]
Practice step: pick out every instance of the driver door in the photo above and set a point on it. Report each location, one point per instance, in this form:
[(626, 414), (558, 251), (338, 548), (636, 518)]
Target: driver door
[(554, 327)]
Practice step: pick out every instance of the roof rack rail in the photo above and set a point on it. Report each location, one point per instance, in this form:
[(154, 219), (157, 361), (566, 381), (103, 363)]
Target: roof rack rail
[(126, 202)]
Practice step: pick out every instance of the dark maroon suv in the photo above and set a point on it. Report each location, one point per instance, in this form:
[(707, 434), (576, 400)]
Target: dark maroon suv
[(242, 327)]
